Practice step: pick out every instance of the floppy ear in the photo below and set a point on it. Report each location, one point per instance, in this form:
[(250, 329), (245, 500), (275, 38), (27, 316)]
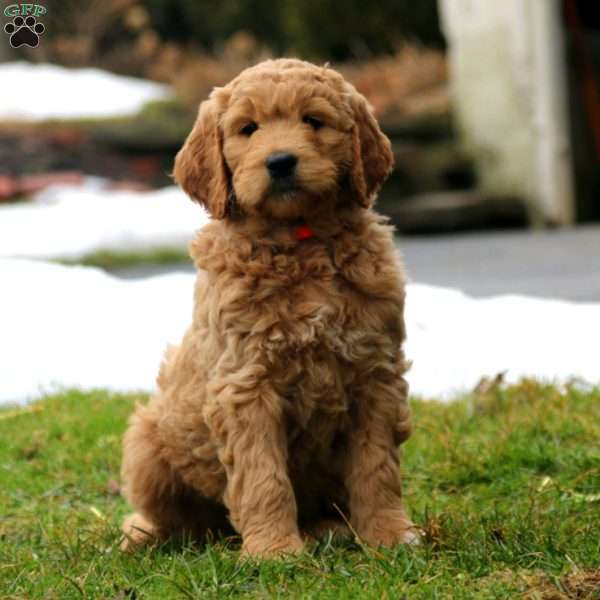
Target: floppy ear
[(200, 167), (372, 157)]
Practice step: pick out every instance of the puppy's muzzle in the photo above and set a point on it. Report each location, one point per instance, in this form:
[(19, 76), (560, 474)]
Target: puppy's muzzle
[(281, 165)]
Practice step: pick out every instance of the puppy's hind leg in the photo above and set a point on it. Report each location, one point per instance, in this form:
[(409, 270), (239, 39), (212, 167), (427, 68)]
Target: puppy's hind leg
[(138, 532), (165, 505)]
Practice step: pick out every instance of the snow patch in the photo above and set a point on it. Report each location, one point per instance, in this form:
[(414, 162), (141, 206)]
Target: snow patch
[(79, 327), (68, 222), (36, 92)]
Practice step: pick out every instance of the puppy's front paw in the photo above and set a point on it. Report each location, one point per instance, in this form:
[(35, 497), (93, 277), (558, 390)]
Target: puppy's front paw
[(389, 528), (269, 547)]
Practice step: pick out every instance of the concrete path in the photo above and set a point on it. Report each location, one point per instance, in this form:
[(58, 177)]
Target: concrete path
[(563, 264)]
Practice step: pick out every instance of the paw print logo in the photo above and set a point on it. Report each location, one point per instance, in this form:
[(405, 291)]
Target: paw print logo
[(24, 32)]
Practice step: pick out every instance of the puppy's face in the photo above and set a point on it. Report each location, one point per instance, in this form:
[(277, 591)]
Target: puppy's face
[(286, 146), (282, 139)]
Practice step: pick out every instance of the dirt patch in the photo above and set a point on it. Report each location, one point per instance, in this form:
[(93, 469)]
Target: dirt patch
[(578, 584)]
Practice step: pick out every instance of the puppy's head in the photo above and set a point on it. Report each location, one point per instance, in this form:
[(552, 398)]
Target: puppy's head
[(283, 138)]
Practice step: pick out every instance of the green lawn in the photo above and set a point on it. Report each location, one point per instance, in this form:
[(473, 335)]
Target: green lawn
[(506, 485), (111, 260)]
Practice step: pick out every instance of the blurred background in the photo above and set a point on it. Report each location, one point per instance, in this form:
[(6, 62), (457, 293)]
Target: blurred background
[(493, 110)]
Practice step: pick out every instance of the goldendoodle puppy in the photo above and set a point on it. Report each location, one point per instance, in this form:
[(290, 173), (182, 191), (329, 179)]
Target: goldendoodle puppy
[(281, 411)]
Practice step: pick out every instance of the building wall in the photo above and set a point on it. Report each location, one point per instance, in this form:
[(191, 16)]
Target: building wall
[(508, 86)]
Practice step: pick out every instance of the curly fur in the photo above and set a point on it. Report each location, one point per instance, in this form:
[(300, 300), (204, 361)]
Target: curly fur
[(286, 399)]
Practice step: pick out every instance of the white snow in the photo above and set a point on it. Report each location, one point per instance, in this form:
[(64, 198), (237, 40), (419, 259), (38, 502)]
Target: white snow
[(75, 326), (72, 221), (35, 92), (455, 340)]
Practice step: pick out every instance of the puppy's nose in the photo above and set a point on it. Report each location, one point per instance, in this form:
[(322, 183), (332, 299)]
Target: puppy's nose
[(281, 164)]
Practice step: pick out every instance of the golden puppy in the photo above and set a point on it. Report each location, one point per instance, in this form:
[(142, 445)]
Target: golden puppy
[(283, 407)]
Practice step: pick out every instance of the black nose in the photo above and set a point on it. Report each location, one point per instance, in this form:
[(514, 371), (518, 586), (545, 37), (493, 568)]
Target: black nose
[(281, 164)]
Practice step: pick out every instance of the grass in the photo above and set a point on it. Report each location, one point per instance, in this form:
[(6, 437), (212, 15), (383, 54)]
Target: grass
[(505, 483), (158, 124), (111, 260)]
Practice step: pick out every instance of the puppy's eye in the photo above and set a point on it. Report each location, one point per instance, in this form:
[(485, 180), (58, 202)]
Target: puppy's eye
[(314, 123), (249, 129)]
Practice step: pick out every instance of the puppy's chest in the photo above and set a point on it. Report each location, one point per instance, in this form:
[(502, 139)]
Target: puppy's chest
[(317, 332), (318, 339), (312, 310)]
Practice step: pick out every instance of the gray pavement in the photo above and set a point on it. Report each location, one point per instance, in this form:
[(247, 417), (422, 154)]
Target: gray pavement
[(560, 263)]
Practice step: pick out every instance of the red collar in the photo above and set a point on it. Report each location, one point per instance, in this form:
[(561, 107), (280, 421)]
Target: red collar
[(303, 232)]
